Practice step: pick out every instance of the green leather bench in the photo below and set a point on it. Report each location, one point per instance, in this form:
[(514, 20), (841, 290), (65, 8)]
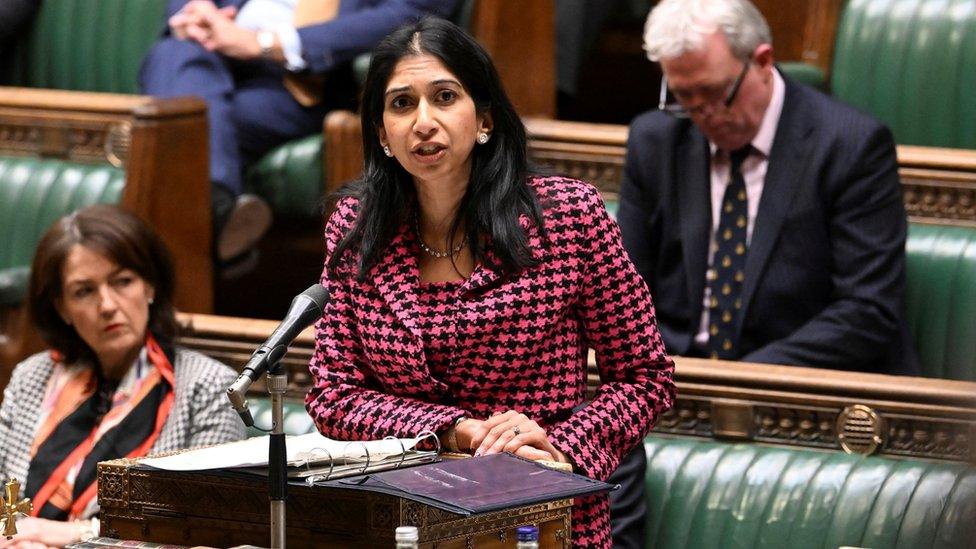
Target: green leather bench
[(941, 298), (98, 46), (912, 64), (35, 192), (706, 494)]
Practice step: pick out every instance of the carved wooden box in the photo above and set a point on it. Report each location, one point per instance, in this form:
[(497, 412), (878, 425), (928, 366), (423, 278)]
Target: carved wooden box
[(223, 509)]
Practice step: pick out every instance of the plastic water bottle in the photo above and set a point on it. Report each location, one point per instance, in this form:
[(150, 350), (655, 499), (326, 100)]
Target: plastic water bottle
[(528, 537), (407, 537)]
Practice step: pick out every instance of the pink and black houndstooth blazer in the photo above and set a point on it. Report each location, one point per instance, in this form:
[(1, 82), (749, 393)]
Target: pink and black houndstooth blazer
[(520, 342)]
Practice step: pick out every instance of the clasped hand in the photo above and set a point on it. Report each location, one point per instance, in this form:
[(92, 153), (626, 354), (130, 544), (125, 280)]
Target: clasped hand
[(509, 431), (214, 29)]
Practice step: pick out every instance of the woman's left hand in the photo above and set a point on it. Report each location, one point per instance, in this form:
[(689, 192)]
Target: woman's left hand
[(514, 432)]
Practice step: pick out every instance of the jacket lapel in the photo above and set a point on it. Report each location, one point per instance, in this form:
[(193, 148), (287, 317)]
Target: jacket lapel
[(694, 200), (484, 275), (788, 164), (396, 277)]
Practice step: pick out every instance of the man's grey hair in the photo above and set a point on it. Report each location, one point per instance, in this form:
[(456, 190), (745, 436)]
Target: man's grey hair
[(676, 27)]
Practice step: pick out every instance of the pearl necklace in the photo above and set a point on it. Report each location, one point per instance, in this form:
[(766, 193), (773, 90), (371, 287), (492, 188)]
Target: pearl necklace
[(432, 252)]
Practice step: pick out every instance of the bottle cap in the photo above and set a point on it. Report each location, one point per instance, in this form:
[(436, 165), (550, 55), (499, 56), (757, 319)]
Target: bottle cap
[(527, 533), (407, 533)]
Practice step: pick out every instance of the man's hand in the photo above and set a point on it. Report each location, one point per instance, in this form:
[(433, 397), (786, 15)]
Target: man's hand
[(193, 22), (229, 39)]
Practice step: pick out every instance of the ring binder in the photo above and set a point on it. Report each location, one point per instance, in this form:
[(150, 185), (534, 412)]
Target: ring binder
[(311, 457)]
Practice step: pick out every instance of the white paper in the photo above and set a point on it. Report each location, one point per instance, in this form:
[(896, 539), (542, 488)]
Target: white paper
[(253, 452)]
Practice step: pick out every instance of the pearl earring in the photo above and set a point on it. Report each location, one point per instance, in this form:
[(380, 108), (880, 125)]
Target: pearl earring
[(151, 301), (482, 138), (387, 151)]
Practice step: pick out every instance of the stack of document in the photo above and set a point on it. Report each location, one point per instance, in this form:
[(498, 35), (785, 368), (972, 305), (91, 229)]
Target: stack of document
[(310, 456)]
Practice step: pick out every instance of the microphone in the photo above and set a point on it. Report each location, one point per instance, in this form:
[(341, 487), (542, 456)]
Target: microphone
[(305, 309)]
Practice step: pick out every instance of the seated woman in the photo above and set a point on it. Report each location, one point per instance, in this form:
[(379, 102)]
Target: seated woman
[(465, 291), (113, 384)]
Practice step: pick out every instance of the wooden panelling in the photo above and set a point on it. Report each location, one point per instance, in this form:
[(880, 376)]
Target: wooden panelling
[(784, 405), (520, 37), (160, 143), (939, 185), (803, 30)]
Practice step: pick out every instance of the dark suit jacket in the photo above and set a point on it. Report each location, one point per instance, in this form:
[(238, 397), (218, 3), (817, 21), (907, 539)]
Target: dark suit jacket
[(825, 273), (357, 28)]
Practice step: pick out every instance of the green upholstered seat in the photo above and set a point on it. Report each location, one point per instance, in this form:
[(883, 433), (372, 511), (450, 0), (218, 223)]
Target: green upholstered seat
[(704, 494), (805, 73), (911, 63), (941, 298), (86, 45), (63, 51), (34, 193), (290, 178)]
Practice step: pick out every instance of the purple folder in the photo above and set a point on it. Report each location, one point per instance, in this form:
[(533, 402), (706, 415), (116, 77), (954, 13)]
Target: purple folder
[(477, 484)]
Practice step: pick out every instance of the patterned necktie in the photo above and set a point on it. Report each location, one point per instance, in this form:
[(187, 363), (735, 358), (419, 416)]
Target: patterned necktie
[(724, 279)]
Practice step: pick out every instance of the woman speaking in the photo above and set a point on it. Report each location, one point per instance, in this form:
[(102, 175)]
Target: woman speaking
[(465, 291)]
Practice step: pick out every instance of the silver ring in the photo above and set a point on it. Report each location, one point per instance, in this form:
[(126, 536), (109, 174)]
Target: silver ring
[(516, 430)]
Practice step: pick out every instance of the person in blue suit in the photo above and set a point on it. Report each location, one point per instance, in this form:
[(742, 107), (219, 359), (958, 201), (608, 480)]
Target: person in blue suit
[(816, 244), (238, 54), (766, 217)]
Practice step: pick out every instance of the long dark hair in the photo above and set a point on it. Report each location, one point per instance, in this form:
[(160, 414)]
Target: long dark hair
[(122, 238), (498, 191)]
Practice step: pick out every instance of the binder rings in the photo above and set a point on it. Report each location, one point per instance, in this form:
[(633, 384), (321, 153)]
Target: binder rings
[(476, 485), (311, 457)]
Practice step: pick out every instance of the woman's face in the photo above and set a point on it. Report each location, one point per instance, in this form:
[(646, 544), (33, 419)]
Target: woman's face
[(107, 305), (430, 122)]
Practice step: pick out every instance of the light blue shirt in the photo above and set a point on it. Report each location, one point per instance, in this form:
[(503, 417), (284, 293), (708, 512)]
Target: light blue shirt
[(277, 16)]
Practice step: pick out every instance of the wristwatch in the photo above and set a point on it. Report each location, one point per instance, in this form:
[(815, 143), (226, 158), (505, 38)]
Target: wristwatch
[(266, 41), (452, 443)]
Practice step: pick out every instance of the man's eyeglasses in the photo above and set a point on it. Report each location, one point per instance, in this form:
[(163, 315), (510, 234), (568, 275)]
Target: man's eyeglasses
[(677, 110)]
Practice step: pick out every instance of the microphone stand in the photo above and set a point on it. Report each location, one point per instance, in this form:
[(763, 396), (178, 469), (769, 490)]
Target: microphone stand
[(277, 454), (305, 308)]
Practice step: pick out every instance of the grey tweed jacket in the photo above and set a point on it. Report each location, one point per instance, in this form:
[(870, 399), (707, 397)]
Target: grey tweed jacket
[(201, 414)]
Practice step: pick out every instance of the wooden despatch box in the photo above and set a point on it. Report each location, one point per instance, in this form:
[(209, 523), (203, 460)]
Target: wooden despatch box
[(222, 509)]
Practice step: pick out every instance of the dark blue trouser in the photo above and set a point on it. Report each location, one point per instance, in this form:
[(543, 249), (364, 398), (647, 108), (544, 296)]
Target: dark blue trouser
[(248, 109)]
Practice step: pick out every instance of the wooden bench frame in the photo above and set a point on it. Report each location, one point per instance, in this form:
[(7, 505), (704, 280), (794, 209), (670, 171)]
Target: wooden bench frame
[(161, 144), (895, 416)]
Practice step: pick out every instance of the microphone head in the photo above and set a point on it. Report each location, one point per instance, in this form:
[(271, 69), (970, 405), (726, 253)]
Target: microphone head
[(318, 294)]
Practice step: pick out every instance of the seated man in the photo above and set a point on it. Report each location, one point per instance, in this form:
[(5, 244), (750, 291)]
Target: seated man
[(259, 65), (766, 217)]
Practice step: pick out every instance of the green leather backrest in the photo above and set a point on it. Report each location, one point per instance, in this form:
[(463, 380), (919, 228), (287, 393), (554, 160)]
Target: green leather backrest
[(912, 64), (87, 45), (290, 178), (33, 194), (941, 298), (705, 495)]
